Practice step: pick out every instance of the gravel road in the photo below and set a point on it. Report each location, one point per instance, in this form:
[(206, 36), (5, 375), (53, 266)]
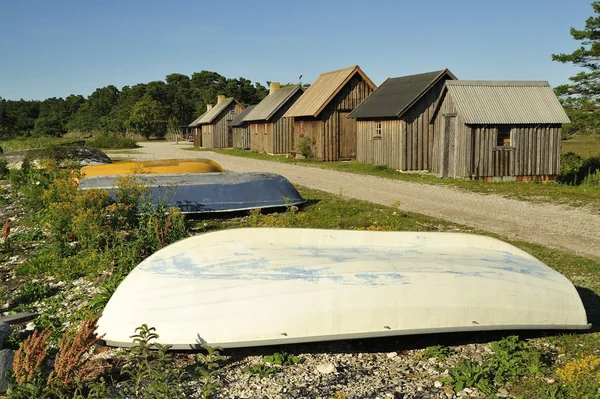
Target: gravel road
[(558, 226)]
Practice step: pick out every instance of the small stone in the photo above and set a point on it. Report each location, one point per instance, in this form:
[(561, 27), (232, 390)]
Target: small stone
[(5, 330), (326, 368), (6, 359), (437, 384), (461, 393), (30, 326), (391, 355), (502, 393)]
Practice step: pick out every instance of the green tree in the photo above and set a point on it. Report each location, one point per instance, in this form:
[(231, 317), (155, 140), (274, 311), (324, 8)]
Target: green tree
[(148, 117), (581, 97)]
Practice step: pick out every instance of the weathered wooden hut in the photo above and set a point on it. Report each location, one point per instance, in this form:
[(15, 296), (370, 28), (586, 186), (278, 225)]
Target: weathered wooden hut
[(197, 129), (270, 131), (321, 113), (497, 130), (393, 123), (241, 130), (216, 132)]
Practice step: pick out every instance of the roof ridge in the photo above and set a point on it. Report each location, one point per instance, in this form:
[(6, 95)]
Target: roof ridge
[(340, 70), (511, 83)]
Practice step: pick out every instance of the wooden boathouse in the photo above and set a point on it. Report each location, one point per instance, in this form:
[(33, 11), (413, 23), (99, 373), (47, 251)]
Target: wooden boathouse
[(241, 130), (270, 131), (393, 123), (497, 130), (216, 132), (321, 113)]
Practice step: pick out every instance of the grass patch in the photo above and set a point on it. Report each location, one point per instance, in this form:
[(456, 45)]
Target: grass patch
[(574, 195), (586, 146), (28, 143)]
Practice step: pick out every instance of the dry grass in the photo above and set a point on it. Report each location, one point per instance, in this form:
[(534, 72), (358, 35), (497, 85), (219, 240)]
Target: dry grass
[(30, 356)]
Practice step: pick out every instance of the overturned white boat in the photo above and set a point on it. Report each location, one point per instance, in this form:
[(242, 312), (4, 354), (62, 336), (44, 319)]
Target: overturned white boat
[(253, 287)]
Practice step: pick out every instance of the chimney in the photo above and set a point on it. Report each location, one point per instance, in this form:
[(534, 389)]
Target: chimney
[(220, 98), (208, 107), (273, 87)]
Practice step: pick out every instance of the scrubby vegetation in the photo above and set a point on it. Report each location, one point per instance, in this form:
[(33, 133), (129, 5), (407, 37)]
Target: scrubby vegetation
[(88, 236)]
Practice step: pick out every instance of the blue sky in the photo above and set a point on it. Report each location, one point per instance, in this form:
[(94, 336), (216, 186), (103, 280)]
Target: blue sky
[(62, 47)]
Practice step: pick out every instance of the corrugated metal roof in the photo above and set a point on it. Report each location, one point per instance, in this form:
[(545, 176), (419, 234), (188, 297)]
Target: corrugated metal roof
[(319, 93), (196, 121), (271, 104), (394, 96), (506, 102), (240, 118), (209, 116)]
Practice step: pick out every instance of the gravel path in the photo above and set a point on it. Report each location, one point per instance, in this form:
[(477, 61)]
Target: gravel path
[(558, 226)]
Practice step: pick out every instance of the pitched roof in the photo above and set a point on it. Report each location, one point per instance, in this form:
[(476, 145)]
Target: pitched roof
[(505, 102), (322, 91), (210, 115), (396, 95), (239, 120), (196, 121), (272, 103)]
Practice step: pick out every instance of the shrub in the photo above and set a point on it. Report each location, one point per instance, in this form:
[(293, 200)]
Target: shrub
[(112, 141), (592, 179), (574, 169), (305, 147), (4, 171), (511, 359)]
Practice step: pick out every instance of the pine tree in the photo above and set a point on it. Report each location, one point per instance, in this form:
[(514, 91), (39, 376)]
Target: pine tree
[(581, 97)]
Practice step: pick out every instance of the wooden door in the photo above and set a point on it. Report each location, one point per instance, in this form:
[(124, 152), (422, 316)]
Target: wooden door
[(347, 136), (450, 147)]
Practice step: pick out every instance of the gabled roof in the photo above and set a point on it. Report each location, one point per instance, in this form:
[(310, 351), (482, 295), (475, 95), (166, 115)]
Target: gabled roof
[(504, 102), (196, 121), (396, 95), (323, 90), (272, 103), (215, 111), (239, 120)]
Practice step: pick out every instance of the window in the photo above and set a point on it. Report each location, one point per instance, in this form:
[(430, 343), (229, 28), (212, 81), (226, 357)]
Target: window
[(377, 130), (503, 137)]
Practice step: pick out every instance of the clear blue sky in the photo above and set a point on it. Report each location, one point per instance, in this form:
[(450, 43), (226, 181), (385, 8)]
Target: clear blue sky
[(57, 48)]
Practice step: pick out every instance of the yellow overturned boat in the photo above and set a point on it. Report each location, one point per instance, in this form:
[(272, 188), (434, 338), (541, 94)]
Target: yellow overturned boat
[(164, 166)]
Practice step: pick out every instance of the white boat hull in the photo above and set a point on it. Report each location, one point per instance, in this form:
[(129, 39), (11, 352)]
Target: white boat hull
[(253, 287)]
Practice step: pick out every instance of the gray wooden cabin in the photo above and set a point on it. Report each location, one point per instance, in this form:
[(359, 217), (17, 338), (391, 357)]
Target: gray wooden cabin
[(270, 131), (497, 131), (321, 113), (241, 130), (197, 129), (216, 132), (393, 123)]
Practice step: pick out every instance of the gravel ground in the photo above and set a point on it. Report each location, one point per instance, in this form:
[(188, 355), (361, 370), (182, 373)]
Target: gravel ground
[(558, 226)]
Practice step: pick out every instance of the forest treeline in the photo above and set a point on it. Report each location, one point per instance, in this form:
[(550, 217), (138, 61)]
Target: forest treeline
[(146, 108)]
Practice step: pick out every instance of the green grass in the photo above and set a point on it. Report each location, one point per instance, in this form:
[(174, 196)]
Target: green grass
[(28, 143), (587, 146), (535, 192)]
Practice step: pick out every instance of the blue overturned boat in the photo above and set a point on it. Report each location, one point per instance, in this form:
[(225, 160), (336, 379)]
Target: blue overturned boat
[(201, 193)]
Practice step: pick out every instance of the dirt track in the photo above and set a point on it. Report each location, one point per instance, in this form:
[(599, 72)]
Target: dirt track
[(557, 226)]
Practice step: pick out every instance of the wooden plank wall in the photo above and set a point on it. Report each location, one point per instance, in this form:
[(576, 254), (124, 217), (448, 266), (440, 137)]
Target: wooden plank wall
[(207, 136), (258, 134), (463, 139), (417, 143), (386, 150), (281, 141), (220, 134), (534, 151), (313, 128), (197, 136), (349, 97), (241, 137)]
